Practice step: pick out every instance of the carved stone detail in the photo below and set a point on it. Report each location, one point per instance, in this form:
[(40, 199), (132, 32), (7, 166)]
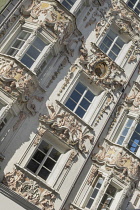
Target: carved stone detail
[(39, 135), (18, 82), (65, 126), (92, 175), (48, 14), (29, 189), (119, 159), (133, 99), (71, 159)]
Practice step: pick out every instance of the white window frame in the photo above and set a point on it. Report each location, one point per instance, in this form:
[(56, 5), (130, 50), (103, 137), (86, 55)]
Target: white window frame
[(91, 191), (97, 103), (49, 49), (114, 43), (134, 6), (64, 149), (129, 134), (46, 156), (82, 96)]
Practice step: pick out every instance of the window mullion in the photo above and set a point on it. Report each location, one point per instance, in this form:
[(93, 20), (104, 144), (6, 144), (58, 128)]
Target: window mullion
[(78, 103), (43, 161)]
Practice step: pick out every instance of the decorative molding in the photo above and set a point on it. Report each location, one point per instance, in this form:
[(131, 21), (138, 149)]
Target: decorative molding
[(92, 175), (71, 158), (133, 99), (65, 126), (29, 189), (118, 158), (49, 15), (19, 82)]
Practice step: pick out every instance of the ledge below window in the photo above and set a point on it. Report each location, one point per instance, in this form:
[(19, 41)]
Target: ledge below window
[(36, 178)]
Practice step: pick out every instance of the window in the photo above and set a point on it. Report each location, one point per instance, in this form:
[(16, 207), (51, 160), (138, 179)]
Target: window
[(133, 135), (32, 53), (135, 5), (43, 160), (112, 45), (18, 43), (95, 192), (125, 131), (108, 198), (134, 142), (80, 100), (68, 3)]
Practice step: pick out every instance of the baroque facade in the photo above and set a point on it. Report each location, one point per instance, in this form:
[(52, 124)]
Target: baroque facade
[(70, 105)]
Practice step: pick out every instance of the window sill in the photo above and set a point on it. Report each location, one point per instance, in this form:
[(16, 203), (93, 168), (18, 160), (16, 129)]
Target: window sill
[(36, 178), (78, 118)]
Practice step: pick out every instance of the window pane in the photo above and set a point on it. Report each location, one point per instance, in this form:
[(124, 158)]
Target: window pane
[(137, 11), (121, 139), (89, 95), (75, 96), (39, 156), (80, 87), (33, 52), (66, 5), (112, 56), (80, 112), (49, 163), (94, 193), (39, 44), (24, 35), (129, 123), (85, 104), (120, 42), (27, 61), (111, 190), (90, 203), (133, 1), (33, 166), (18, 44), (107, 41), (125, 131), (115, 49), (44, 146), (12, 52), (112, 35), (70, 104), (103, 48), (54, 154), (44, 173)]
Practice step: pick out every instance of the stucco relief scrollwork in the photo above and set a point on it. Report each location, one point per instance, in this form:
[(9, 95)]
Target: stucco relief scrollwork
[(92, 175), (119, 159), (133, 99), (18, 82), (104, 72), (29, 189), (48, 14), (65, 126)]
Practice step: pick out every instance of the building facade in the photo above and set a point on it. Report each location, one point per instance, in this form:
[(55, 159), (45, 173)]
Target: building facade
[(70, 105)]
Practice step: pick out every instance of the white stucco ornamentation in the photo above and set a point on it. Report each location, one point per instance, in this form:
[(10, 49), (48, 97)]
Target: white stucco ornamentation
[(65, 126), (30, 189), (119, 159), (18, 82)]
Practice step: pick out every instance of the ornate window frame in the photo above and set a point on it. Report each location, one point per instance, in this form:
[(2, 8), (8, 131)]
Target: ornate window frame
[(97, 102), (124, 37), (52, 140), (49, 51)]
